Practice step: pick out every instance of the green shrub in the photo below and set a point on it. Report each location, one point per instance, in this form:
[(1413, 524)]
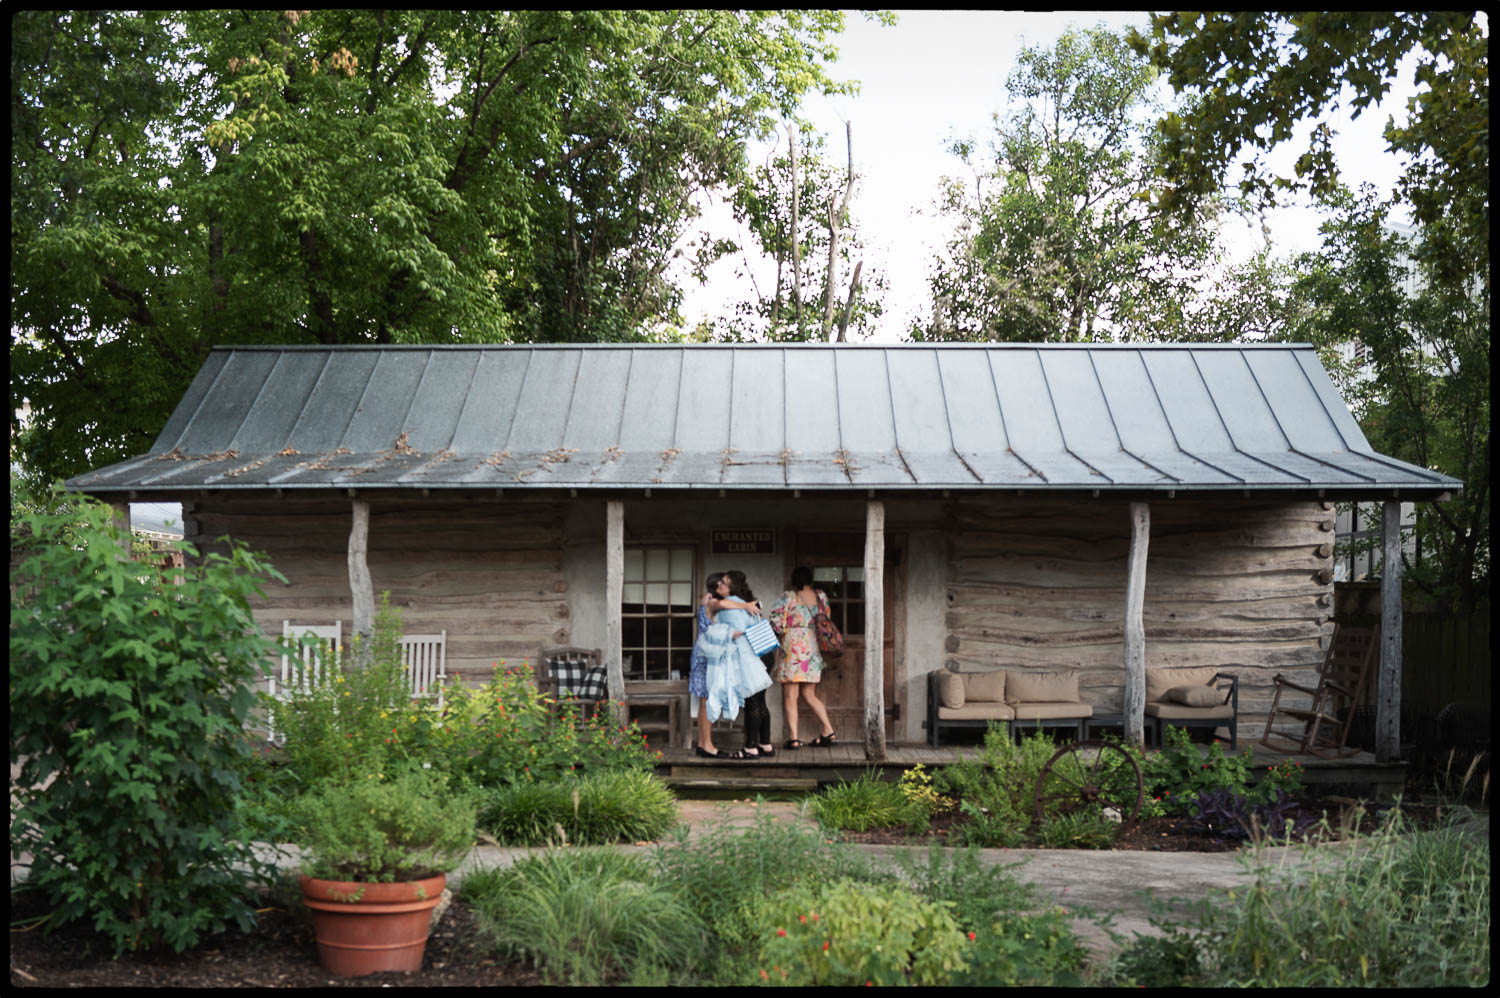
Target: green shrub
[(1180, 772), (870, 802), (592, 809), (727, 871), (854, 934), (1024, 949), (383, 830), (1400, 909), (997, 790), (588, 917), (1082, 829), (364, 720), (128, 692), (349, 725)]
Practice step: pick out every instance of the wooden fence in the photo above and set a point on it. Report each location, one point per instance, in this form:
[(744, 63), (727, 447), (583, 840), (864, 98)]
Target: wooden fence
[(1444, 659)]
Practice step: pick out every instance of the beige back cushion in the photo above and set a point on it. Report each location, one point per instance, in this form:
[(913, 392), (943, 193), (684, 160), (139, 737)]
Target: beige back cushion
[(1042, 687), (1195, 696), (986, 686), (950, 690), (1158, 681)]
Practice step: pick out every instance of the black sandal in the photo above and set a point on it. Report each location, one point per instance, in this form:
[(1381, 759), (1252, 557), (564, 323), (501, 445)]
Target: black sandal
[(793, 744), (715, 754), (823, 741), (767, 752), (738, 755)]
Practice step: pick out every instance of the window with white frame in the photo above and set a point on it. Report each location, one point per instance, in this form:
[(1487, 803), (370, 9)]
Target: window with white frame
[(657, 611)]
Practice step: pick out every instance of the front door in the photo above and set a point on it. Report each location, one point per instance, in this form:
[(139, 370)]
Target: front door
[(837, 563)]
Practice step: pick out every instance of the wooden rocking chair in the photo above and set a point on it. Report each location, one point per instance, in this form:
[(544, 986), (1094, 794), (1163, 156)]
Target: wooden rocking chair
[(1341, 688)]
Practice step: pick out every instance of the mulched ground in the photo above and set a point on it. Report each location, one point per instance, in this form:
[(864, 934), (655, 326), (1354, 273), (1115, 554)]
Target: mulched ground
[(279, 953), (1152, 834)]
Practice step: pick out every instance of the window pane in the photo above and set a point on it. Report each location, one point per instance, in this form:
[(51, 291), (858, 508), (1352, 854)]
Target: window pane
[(656, 597), (827, 575), (855, 574), (631, 662), (682, 595), (682, 564), (656, 563), (656, 632), (633, 563), (855, 621), (681, 661), (632, 593), (682, 632), (632, 630), (656, 664)]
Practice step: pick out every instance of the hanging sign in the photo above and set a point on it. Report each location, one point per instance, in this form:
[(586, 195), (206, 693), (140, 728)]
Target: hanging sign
[(742, 541)]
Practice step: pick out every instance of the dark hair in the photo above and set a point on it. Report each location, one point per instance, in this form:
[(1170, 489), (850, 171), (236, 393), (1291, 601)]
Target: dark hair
[(712, 585), (739, 587), (802, 577)]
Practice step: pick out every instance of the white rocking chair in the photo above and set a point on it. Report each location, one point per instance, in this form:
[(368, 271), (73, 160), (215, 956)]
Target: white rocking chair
[(308, 666)]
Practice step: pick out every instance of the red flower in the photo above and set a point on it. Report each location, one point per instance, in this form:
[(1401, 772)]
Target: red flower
[(803, 919), (781, 932), (972, 937), (825, 944)]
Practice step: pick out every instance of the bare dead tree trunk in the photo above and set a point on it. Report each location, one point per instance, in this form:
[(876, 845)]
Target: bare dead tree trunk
[(849, 306), (838, 208)]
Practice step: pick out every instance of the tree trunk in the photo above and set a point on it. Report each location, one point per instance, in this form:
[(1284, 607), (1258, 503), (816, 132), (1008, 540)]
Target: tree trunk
[(849, 306), (796, 246)]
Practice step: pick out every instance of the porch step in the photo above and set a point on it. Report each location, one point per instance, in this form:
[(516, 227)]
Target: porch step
[(699, 782)]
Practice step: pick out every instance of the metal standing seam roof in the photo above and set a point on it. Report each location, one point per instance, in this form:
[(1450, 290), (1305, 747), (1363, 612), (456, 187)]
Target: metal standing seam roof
[(1219, 417)]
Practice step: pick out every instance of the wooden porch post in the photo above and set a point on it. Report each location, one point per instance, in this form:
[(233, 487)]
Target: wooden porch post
[(875, 630), (1388, 697), (122, 520), (614, 592), (1134, 707), (360, 585)]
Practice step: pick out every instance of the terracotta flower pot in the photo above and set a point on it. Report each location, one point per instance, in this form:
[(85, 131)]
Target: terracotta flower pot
[(364, 928)]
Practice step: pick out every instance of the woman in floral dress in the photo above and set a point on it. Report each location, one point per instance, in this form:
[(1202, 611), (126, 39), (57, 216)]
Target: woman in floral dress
[(801, 662)]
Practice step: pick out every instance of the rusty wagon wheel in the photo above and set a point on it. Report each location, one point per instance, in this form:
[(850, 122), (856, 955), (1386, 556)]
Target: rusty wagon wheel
[(1090, 775)]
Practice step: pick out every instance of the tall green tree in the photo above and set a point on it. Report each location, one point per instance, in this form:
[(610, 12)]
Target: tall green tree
[(350, 176), (1420, 306), (1425, 395), (1258, 75), (1057, 238)]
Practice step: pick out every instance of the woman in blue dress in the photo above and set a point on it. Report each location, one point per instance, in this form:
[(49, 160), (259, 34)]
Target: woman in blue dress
[(733, 670), (715, 599)]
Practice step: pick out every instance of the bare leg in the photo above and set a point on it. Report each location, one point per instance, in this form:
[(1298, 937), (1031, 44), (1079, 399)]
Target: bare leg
[(810, 694), (789, 708), (705, 729)]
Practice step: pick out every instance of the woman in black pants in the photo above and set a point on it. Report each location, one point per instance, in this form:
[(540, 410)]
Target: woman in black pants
[(757, 714)]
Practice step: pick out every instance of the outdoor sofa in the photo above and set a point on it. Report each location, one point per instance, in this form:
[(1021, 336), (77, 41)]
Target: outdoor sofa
[(1023, 698)]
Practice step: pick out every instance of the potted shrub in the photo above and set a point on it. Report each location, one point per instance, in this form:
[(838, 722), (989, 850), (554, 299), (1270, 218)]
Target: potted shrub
[(377, 853)]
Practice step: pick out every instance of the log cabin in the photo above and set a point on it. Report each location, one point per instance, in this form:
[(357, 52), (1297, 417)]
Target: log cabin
[(1099, 507)]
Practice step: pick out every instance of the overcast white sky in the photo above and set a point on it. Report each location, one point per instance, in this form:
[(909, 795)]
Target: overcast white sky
[(938, 75)]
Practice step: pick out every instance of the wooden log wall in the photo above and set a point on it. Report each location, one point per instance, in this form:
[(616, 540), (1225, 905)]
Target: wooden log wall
[(1243, 585), (489, 572)]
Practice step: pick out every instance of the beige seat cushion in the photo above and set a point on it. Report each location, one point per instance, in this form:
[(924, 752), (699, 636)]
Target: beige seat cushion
[(1158, 681), (988, 687), (950, 690), (1042, 687), (977, 712), (1045, 711), (1179, 712), (1195, 696)]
